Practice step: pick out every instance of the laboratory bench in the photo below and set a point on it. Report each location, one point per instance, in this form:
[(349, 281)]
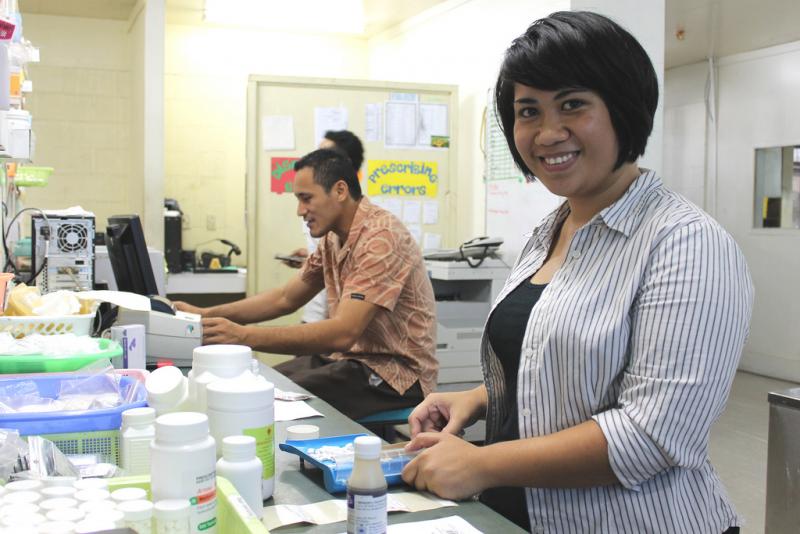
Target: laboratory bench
[(294, 485)]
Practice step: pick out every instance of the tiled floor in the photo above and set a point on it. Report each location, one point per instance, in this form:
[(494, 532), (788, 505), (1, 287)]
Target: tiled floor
[(739, 446)]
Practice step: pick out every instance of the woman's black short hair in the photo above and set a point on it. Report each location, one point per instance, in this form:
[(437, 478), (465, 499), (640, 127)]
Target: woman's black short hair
[(579, 49), (329, 167)]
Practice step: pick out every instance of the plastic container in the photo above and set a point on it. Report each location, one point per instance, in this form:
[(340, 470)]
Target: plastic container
[(24, 485), (89, 507), (213, 362), (92, 495), (23, 522), (56, 527), (172, 516), (182, 466), (137, 432), (41, 363), (91, 483), (244, 406), (22, 325), (24, 508), (89, 526), (301, 432), (240, 465), (167, 390), (76, 432), (14, 498), (52, 492), (58, 503), (112, 516), (138, 515), (66, 514), (366, 489), (128, 494)]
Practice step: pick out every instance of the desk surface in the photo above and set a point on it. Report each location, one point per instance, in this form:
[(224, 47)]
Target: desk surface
[(295, 486)]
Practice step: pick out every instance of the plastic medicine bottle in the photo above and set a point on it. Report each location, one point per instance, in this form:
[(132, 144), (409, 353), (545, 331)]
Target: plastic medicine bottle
[(183, 464), (243, 406), (366, 489), (167, 390), (214, 362), (138, 430), (172, 516), (240, 465)]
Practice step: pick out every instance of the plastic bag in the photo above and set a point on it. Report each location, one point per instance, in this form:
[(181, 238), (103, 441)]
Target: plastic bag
[(99, 390), (44, 459), (58, 303), (13, 453), (22, 299)]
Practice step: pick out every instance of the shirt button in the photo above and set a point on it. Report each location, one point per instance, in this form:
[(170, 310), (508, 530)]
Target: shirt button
[(526, 412), (575, 255), (528, 353)]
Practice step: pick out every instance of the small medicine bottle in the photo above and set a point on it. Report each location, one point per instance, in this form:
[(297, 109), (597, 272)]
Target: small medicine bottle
[(240, 465), (172, 516), (366, 489), (138, 515), (138, 430)]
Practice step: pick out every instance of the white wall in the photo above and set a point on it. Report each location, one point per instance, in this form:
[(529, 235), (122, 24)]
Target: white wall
[(756, 107), (462, 43), (81, 109), (205, 105)]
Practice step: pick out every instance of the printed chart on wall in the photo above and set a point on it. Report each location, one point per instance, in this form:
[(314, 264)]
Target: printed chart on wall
[(513, 206)]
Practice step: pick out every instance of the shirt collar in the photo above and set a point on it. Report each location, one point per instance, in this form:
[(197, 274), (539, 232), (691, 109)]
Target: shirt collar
[(365, 207), (624, 215)]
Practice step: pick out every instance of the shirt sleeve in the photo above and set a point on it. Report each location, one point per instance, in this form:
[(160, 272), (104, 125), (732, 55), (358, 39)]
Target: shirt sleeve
[(380, 271), (312, 272), (689, 323)]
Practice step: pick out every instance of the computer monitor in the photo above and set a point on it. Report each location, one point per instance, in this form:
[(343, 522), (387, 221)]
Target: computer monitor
[(127, 252)]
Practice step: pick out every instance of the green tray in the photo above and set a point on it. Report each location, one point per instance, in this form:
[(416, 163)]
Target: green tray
[(39, 363)]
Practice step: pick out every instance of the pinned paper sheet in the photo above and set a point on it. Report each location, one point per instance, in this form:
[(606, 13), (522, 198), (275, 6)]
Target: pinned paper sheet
[(335, 510), (430, 212), (277, 132), (416, 232), (431, 241), (325, 119), (372, 123), (289, 411), (411, 211)]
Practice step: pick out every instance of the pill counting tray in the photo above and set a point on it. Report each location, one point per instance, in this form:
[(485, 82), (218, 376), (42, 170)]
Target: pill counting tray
[(335, 477)]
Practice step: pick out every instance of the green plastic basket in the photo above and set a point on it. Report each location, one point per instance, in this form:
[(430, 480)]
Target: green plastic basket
[(40, 363), (104, 443), (32, 176)]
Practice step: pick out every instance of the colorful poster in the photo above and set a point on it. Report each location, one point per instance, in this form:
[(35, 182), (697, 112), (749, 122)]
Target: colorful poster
[(402, 178), (281, 175)]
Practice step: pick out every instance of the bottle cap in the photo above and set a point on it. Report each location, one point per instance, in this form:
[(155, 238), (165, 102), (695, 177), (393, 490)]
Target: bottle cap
[(58, 503), (23, 485), (245, 392), (65, 514), (88, 507), (88, 526), (138, 416), (225, 361), (299, 432), (367, 447), (92, 494), (128, 494), (57, 491), (21, 508), (182, 427), (20, 497), (171, 509), (165, 386), (91, 483), (19, 520), (136, 510), (56, 527), (238, 447)]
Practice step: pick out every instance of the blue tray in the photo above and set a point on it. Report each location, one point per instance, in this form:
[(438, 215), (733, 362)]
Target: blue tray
[(336, 479)]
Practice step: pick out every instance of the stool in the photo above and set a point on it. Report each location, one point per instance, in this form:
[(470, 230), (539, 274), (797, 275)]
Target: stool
[(382, 423)]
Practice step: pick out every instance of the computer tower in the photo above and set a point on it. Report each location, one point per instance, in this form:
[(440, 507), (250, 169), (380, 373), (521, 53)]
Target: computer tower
[(66, 248), (173, 242)]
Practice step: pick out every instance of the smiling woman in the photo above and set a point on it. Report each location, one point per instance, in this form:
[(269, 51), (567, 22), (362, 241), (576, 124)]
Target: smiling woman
[(601, 381)]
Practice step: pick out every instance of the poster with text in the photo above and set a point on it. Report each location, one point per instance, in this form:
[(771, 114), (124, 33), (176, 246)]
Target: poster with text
[(281, 175), (402, 178)]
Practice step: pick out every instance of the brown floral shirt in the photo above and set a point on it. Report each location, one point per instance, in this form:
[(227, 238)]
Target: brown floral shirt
[(381, 263)]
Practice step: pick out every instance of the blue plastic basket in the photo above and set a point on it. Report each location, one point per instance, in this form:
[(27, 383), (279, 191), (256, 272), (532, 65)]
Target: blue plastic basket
[(43, 423)]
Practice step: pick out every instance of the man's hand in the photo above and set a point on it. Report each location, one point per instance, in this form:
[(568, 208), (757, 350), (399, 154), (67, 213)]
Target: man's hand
[(186, 307), (300, 252), (450, 467), (219, 331)]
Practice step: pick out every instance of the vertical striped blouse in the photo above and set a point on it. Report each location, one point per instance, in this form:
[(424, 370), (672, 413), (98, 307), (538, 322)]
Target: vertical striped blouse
[(641, 329)]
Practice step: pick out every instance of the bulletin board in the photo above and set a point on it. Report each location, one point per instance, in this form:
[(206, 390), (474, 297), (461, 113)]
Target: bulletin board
[(514, 207), (409, 158)]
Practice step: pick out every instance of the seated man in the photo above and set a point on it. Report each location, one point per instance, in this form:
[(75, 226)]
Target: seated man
[(375, 352)]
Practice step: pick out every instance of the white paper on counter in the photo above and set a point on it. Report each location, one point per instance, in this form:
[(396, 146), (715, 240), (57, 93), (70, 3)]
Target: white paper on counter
[(335, 510), (445, 525), (277, 132), (289, 411)]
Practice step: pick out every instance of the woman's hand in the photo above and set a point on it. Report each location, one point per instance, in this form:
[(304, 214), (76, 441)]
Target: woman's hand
[(448, 412), (449, 467)]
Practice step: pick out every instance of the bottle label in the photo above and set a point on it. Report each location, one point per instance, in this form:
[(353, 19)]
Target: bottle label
[(265, 447), (366, 512), (204, 503)]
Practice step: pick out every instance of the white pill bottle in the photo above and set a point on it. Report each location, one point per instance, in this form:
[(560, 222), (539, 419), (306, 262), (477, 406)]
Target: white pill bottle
[(366, 489), (183, 466), (244, 406)]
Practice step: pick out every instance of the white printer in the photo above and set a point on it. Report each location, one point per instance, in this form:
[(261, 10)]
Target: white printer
[(168, 337)]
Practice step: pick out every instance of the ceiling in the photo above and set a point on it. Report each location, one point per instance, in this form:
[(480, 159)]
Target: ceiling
[(709, 27)]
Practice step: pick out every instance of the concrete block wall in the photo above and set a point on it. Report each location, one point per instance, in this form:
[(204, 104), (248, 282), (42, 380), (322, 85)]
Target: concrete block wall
[(81, 109)]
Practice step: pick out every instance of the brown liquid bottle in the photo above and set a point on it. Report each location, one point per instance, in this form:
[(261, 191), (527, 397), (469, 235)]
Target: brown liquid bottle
[(366, 489)]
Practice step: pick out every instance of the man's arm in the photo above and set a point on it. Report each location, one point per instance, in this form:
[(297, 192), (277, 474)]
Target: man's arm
[(336, 334), (266, 305)]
